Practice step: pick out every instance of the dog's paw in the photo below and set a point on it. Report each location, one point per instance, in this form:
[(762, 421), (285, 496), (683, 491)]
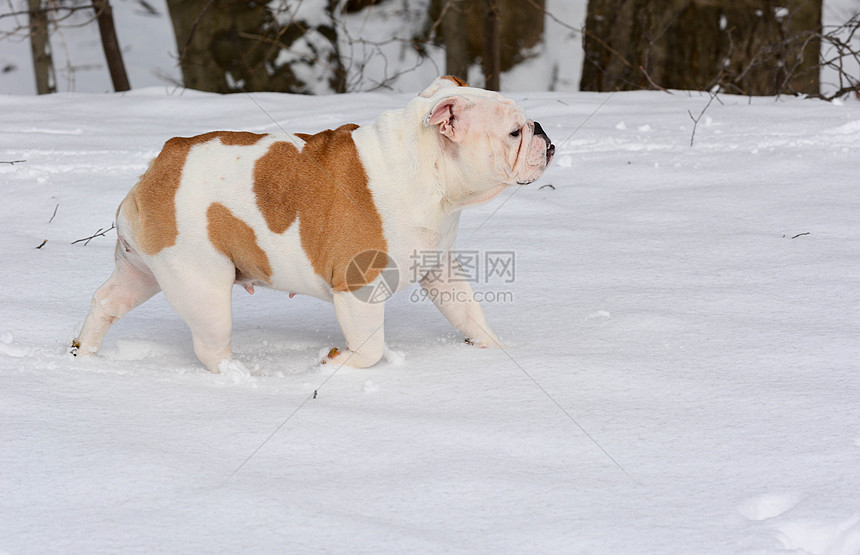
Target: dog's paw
[(486, 342), (356, 359), (336, 357), (333, 353)]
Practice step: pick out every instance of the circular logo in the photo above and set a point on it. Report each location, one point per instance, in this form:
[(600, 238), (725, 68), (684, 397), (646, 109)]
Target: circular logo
[(372, 276)]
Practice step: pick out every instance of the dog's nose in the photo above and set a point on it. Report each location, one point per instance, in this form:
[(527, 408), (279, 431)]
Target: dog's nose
[(550, 148), (539, 132)]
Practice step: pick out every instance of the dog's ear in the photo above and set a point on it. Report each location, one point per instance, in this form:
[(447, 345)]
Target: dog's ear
[(446, 81), (450, 115)]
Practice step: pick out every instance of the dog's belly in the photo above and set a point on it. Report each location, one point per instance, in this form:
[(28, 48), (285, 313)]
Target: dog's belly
[(291, 269), (220, 176)]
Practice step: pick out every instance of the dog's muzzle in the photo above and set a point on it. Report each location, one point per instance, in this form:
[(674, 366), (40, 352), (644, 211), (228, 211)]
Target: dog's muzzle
[(550, 148)]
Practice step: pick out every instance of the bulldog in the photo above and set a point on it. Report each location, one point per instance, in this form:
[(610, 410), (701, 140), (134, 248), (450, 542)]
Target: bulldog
[(332, 215)]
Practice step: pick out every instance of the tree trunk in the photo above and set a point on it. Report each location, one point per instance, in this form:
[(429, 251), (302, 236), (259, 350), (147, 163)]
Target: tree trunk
[(457, 56), (110, 44), (519, 25), (234, 45), (40, 46), (491, 57), (756, 47)]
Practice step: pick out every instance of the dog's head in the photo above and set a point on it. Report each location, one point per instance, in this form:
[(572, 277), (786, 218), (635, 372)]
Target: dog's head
[(487, 137)]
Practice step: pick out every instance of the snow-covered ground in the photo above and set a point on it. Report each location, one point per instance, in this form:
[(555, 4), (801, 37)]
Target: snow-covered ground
[(683, 370)]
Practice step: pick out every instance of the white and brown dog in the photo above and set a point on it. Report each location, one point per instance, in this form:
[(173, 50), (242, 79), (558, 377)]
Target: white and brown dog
[(295, 213)]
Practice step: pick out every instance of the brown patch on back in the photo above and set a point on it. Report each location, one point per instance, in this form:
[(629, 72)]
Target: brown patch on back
[(237, 241), (324, 186), (459, 82), (149, 207)]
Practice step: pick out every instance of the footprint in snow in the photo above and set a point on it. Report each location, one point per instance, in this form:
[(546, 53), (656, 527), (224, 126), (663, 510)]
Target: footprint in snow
[(599, 316), (233, 372), (768, 506), (821, 538), (7, 348), (394, 358)]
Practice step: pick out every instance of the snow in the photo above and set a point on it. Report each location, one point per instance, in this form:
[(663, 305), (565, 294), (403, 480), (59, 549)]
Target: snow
[(681, 370)]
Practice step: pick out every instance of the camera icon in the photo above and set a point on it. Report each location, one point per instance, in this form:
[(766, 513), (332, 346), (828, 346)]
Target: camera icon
[(372, 276)]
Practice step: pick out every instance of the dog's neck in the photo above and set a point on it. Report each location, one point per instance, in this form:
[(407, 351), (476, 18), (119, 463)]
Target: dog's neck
[(435, 185)]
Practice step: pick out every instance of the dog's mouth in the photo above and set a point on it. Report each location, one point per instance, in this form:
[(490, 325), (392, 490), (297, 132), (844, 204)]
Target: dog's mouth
[(550, 152)]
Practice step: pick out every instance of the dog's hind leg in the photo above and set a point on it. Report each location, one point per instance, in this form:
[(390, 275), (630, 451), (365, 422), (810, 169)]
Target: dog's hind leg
[(130, 284), (201, 295)]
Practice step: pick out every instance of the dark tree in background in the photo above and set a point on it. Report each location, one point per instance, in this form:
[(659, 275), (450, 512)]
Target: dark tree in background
[(232, 45), (110, 45), (40, 46), (467, 28), (754, 47), (40, 14), (492, 56)]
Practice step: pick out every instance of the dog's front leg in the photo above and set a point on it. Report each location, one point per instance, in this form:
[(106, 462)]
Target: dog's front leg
[(456, 301), (362, 324)]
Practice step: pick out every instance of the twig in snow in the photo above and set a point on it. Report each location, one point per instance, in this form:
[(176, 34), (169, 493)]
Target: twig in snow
[(702, 113), (100, 233), (55, 213), (547, 186), (800, 234), (42, 244), (12, 162)]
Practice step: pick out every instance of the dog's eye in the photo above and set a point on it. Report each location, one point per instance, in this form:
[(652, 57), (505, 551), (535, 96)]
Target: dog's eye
[(515, 133)]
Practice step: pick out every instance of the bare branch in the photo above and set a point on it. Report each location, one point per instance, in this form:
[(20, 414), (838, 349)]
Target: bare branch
[(702, 113), (56, 8), (100, 233), (194, 25), (653, 84)]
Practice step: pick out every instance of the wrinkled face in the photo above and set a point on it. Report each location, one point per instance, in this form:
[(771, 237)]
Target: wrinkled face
[(521, 149), (491, 140)]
